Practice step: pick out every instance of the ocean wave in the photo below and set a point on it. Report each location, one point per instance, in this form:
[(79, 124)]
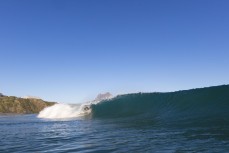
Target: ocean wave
[(199, 104), (203, 103)]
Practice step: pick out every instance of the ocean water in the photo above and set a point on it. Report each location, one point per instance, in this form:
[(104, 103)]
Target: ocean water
[(177, 122)]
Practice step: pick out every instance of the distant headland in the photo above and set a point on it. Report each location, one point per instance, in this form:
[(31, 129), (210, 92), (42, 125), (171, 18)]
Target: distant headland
[(103, 96), (26, 105)]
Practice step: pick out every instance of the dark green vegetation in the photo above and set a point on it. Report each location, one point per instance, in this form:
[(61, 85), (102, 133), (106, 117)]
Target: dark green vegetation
[(11, 104)]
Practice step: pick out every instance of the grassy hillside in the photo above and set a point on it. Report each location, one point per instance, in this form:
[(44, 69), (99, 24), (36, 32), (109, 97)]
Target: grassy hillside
[(11, 104)]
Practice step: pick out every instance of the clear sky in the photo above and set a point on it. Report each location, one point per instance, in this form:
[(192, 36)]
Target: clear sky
[(70, 50)]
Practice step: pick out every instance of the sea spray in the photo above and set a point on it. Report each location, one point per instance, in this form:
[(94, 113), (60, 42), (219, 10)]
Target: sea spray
[(64, 111), (59, 111)]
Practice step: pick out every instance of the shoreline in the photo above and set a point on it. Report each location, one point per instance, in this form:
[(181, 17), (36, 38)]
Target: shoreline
[(16, 114)]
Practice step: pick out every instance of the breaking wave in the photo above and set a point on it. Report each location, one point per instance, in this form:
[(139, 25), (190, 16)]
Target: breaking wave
[(64, 111), (202, 105)]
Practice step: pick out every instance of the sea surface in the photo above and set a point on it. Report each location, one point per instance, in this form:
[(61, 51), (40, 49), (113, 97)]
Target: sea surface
[(177, 122)]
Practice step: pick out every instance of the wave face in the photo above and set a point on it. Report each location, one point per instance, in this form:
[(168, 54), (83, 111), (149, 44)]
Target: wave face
[(202, 105)]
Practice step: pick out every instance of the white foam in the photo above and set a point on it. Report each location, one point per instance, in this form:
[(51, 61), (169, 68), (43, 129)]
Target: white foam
[(63, 111), (60, 111)]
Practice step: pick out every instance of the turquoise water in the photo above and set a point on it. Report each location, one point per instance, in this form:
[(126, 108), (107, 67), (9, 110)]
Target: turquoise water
[(185, 121)]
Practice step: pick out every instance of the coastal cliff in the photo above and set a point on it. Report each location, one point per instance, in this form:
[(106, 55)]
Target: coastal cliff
[(11, 104)]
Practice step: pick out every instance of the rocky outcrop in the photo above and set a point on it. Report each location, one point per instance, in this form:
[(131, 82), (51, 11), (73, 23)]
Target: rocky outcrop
[(11, 104), (104, 96)]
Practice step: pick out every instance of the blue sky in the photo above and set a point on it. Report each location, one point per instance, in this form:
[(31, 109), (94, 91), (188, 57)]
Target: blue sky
[(68, 51)]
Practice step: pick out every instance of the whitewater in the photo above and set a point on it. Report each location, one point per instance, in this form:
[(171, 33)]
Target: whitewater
[(60, 111)]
